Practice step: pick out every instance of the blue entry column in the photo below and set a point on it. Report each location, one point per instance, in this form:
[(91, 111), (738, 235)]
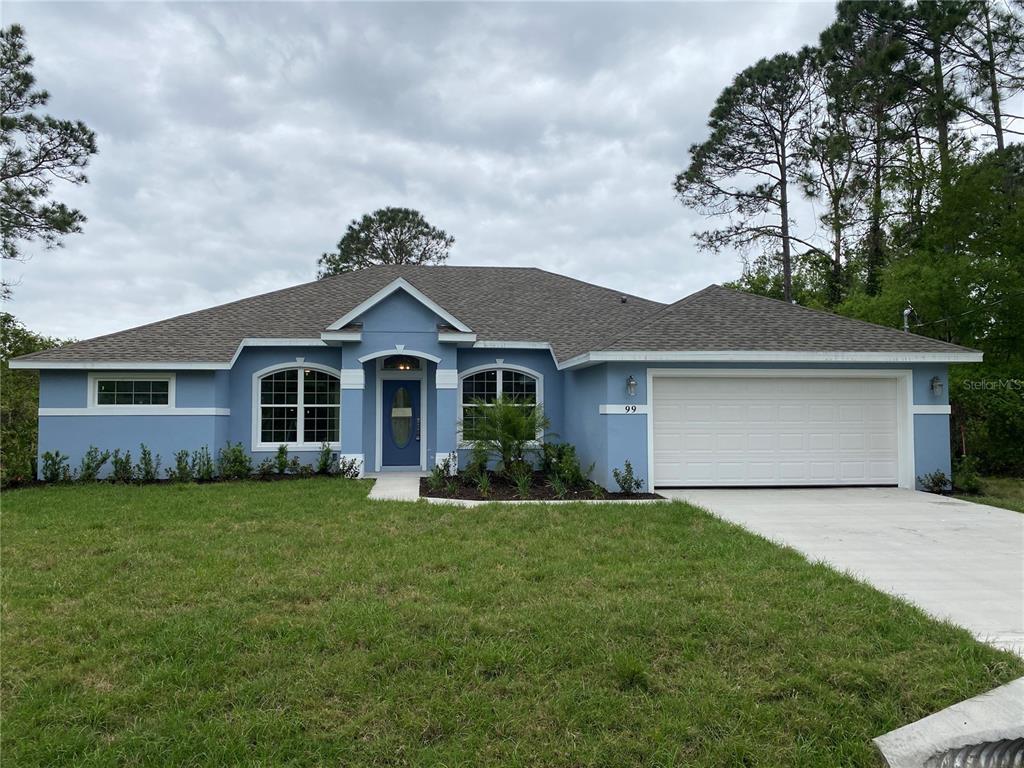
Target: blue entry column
[(447, 383), (352, 392)]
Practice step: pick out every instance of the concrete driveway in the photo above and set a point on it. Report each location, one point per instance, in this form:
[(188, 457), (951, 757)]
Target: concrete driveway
[(958, 561)]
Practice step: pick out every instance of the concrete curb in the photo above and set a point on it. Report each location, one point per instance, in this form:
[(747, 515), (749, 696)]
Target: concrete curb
[(482, 502)]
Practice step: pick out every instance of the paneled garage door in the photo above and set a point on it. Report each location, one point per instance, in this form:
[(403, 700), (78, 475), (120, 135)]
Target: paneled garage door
[(775, 431)]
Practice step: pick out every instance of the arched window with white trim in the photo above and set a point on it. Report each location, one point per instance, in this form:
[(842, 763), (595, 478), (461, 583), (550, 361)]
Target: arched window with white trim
[(479, 387), (298, 406)]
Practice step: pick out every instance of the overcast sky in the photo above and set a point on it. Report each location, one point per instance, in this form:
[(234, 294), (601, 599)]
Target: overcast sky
[(238, 140)]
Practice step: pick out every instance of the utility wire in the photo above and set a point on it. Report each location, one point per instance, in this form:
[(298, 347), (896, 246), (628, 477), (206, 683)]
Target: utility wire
[(969, 311)]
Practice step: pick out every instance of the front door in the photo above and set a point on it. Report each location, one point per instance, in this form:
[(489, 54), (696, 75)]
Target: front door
[(400, 433)]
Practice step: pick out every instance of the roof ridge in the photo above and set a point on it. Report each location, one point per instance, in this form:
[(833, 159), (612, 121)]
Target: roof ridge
[(658, 313), (589, 284)]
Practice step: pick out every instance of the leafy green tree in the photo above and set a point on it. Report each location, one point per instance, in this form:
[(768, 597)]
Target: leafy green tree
[(37, 151), (387, 236), (865, 45), (965, 281), (744, 169), (19, 401), (990, 47), (832, 168)]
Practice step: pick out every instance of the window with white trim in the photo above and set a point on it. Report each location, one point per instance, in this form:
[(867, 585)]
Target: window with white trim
[(131, 390), (484, 387), (289, 392)]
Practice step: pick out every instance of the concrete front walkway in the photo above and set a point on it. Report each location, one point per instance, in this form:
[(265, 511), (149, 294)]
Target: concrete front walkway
[(958, 561), (396, 486)]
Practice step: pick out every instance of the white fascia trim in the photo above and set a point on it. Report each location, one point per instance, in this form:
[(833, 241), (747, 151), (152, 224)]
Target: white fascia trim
[(353, 378), (164, 365), (512, 345), (134, 410), (446, 378), (337, 336), (383, 293), (455, 337), (114, 365), (396, 351), (940, 410), (760, 356)]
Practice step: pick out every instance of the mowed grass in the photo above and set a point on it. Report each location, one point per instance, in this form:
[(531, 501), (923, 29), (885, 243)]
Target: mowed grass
[(1005, 492), (299, 624)]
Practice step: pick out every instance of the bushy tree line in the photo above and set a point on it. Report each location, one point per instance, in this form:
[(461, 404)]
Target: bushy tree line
[(898, 127)]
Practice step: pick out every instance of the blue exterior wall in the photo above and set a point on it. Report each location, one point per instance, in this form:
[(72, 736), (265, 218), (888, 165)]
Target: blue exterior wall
[(571, 400), (625, 436), (162, 434)]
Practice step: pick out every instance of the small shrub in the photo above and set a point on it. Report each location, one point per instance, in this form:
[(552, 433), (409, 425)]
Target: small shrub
[(558, 486), (305, 470), (559, 461), (202, 469), (294, 465), (628, 482), (281, 459), (233, 463), (438, 479), (266, 468), (325, 460), (477, 463), (349, 468), (148, 468), (965, 475), (483, 484), (55, 467), (91, 464), (935, 482), (521, 474), (121, 468), (596, 491), (181, 472)]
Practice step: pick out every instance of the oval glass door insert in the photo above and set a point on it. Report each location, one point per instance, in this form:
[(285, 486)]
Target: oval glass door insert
[(401, 417)]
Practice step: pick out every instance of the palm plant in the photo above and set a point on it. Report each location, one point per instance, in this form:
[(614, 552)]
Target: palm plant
[(504, 428)]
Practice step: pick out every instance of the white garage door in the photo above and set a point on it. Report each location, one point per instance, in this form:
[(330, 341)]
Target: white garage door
[(775, 431)]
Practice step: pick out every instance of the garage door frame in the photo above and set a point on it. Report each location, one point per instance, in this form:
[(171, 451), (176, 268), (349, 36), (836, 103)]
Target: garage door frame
[(904, 403)]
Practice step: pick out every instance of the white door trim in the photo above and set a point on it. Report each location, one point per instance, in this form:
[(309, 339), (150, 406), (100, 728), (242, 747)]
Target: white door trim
[(904, 403), (420, 375)]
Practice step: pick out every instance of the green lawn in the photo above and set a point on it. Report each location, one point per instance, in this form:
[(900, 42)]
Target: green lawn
[(1006, 492), (296, 624)]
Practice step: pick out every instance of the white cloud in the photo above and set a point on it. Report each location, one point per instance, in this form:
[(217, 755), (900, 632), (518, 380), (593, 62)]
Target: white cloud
[(237, 141)]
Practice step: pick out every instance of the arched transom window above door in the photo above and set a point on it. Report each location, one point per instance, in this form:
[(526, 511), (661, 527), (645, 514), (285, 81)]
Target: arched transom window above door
[(400, 363)]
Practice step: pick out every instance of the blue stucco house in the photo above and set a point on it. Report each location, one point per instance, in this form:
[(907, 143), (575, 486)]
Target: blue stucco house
[(720, 388)]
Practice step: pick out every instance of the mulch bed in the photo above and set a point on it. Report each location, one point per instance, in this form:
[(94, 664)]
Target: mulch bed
[(501, 489)]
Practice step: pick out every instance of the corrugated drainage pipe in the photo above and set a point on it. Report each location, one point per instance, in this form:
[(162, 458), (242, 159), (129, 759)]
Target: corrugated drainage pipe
[(1006, 753)]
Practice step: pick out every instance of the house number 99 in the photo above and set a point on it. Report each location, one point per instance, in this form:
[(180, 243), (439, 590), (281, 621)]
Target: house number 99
[(630, 409)]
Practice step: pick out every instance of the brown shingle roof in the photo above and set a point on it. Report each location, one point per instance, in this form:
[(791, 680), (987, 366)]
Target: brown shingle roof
[(503, 304)]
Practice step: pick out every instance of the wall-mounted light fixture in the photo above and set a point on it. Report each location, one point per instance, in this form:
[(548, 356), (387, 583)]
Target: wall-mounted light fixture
[(631, 386), (936, 386)]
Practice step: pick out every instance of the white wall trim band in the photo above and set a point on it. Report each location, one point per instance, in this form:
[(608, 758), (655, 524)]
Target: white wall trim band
[(622, 409), (761, 356), (135, 410), (447, 378), (940, 410)]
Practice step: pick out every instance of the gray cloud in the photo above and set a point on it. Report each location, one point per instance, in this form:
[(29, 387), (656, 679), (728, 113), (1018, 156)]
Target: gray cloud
[(237, 140)]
